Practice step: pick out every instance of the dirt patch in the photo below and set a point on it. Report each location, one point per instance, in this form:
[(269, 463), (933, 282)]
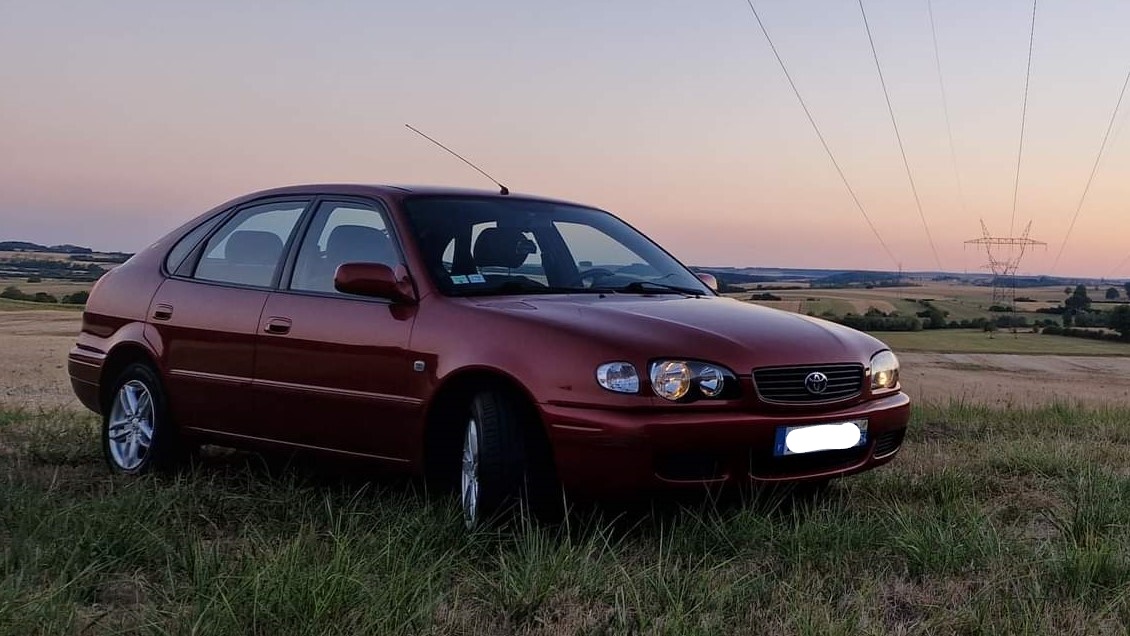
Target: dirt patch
[(1015, 380), (33, 358)]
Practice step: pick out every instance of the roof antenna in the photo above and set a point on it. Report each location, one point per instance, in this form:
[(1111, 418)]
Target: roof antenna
[(501, 188)]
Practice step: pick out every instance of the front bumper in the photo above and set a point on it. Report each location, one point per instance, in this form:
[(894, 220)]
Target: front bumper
[(612, 454)]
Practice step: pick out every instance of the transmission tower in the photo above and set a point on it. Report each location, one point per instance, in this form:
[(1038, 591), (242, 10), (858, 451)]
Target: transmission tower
[(1004, 266)]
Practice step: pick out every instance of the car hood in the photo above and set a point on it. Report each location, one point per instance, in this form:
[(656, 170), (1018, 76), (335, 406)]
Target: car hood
[(740, 335)]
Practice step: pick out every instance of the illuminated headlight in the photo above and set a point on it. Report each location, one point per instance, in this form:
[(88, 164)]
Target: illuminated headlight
[(676, 379), (620, 377), (884, 371)]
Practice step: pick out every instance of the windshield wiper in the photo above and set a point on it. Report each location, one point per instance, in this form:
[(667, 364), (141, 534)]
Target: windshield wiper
[(645, 286)]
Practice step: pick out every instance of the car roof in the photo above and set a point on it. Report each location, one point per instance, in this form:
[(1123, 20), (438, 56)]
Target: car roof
[(397, 192)]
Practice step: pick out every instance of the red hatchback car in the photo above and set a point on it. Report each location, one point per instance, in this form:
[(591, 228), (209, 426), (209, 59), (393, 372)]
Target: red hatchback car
[(509, 346)]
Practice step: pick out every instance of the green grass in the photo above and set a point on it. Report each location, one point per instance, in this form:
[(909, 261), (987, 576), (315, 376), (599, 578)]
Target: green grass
[(990, 522), (974, 341)]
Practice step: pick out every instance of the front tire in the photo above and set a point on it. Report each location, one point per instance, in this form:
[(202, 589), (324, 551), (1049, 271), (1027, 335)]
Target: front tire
[(503, 462), (137, 433)]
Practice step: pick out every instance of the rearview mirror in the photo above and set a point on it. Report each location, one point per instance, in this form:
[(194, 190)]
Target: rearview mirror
[(708, 279), (376, 280)]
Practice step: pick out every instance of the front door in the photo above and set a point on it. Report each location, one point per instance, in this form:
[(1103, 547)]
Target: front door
[(331, 369)]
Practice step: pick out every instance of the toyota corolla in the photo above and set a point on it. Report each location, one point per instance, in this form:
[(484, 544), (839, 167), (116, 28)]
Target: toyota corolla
[(513, 348)]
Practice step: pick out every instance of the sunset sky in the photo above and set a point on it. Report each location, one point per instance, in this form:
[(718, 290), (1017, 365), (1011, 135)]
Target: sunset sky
[(119, 120)]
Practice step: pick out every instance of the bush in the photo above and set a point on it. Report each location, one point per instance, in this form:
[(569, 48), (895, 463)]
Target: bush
[(12, 292), (1053, 330), (77, 298), (881, 322)]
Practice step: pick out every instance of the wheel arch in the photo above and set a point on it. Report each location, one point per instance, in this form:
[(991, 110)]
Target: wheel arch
[(117, 359), (443, 425)]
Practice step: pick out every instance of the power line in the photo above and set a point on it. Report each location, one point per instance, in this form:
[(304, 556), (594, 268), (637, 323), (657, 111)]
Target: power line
[(820, 135), (946, 109), (1094, 168), (898, 136), (1023, 119)]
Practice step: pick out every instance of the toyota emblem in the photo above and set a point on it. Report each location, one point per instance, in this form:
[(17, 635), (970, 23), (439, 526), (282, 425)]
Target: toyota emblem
[(816, 383)]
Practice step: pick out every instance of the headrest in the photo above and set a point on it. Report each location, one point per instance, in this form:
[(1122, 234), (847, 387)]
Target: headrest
[(253, 247), (503, 247), (359, 244)]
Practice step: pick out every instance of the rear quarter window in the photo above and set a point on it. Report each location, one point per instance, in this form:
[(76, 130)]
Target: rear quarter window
[(188, 242)]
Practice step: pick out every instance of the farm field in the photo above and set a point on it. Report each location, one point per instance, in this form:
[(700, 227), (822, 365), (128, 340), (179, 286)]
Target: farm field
[(58, 288), (961, 301), (940, 365), (974, 341)]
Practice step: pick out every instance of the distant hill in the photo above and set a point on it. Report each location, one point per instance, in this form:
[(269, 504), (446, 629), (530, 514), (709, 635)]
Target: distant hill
[(25, 246)]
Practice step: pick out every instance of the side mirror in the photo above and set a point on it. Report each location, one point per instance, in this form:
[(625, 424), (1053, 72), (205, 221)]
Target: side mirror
[(376, 280), (708, 279)]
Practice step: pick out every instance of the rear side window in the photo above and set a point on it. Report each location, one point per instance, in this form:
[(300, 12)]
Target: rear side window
[(188, 243), (248, 249)]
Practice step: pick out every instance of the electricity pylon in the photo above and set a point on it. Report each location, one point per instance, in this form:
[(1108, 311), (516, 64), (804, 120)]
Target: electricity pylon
[(1003, 266)]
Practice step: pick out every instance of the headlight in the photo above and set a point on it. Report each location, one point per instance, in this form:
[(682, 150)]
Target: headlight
[(620, 377), (884, 371), (677, 379), (671, 380)]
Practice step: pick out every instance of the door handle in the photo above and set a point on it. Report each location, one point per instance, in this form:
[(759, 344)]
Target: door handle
[(162, 312), (277, 326)]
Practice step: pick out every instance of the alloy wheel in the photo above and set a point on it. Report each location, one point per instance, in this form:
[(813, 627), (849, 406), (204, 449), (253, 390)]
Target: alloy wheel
[(469, 491), (131, 425)]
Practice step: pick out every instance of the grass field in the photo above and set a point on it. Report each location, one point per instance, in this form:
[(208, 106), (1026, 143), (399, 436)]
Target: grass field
[(990, 522), (973, 341)]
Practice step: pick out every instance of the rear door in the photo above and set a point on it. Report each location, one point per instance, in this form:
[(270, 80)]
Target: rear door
[(331, 369), (207, 313)]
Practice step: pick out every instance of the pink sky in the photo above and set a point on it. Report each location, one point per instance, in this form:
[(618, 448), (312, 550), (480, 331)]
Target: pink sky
[(119, 122)]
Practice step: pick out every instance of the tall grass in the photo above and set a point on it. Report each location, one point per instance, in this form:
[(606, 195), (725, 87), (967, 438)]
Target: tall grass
[(990, 521)]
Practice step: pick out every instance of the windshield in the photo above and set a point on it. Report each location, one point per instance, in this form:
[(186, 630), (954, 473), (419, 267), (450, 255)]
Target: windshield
[(478, 246)]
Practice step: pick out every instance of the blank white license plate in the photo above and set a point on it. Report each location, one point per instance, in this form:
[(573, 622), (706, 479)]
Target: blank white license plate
[(813, 438)]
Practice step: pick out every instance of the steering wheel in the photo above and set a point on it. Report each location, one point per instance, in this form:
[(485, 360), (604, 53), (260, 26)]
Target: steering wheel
[(595, 273)]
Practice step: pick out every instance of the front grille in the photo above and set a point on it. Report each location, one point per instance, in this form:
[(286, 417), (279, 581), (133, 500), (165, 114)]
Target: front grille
[(786, 385), (889, 442)]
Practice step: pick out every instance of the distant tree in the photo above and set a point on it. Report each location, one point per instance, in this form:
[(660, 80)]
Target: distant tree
[(1127, 286), (1112, 293), (1068, 320), (1078, 300), (44, 297), (12, 292), (34, 279), (1067, 291), (77, 298), (1120, 321)]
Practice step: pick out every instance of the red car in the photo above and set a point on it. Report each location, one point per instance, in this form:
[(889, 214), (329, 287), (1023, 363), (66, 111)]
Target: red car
[(510, 346)]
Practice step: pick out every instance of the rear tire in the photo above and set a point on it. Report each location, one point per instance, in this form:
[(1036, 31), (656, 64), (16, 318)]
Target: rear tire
[(138, 435), (504, 462)]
